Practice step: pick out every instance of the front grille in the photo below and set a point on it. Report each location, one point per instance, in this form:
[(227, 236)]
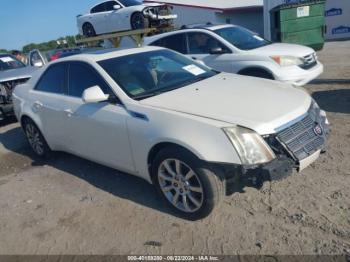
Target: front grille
[(309, 61), (301, 138)]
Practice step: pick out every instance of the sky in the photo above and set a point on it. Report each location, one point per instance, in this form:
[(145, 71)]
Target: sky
[(34, 21)]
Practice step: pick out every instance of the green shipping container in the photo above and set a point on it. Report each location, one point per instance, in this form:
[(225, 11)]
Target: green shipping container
[(301, 23)]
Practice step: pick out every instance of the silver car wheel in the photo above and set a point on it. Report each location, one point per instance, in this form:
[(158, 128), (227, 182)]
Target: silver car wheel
[(180, 185), (34, 139)]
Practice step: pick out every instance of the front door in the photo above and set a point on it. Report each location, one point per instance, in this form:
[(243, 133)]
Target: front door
[(116, 18), (200, 46), (97, 131)]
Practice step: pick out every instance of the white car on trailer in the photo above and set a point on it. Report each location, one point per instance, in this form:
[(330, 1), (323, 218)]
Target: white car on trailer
[(123, 15)]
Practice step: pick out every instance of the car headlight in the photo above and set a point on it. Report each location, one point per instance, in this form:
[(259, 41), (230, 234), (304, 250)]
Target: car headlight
[(251, 147), (287, 60)]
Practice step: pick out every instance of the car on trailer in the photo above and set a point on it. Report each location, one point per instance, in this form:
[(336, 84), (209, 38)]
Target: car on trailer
[(123, 15)]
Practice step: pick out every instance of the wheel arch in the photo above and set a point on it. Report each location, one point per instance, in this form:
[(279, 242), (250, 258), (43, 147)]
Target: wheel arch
[(160, 146), (24, 117), (256, 68)]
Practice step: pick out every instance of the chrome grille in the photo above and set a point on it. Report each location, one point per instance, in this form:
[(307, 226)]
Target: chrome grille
[(309, 61), (301, 139)]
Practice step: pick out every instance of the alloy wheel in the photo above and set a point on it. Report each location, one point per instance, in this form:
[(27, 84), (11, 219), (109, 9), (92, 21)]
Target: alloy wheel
[(34, 139), (180, 185)]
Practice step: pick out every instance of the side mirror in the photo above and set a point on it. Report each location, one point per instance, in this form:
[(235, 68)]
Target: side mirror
[(38, 64), (94, 95), (216, 51), (116, 7)]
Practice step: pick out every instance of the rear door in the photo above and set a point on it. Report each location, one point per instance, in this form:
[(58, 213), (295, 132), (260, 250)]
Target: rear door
[(47, 102), (97, 131), (98, 18)]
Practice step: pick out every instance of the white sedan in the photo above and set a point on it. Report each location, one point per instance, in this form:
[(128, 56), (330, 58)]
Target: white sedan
[(123, 15), (156, 114), (234, 49)]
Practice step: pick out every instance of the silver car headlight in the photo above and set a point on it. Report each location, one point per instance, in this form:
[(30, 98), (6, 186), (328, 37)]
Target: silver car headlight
[(251, 147), (288, 60)]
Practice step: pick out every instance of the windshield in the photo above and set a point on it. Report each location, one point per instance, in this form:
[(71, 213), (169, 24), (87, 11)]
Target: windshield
[(152, 73), (129, 2), (8, 62), (242, 38)]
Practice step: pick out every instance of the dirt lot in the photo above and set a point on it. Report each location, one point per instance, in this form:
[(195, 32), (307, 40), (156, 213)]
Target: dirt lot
[(72, 206)]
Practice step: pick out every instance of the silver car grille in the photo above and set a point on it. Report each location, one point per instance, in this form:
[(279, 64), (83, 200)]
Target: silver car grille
[(309, 61), (304, 137)]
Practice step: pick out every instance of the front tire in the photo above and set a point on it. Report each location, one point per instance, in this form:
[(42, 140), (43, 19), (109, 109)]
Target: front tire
[(186, 183), (35, 139), (139, 21)]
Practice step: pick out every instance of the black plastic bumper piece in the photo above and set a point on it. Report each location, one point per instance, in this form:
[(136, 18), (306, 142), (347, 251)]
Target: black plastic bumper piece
[(238, 177), (6, 110)]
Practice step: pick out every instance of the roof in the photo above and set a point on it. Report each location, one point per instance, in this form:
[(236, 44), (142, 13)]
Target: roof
[(104, 54), (215, 4), (189, 28)]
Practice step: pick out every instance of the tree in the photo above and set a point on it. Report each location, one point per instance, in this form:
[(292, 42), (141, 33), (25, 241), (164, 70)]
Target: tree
[(50, 45), (3, 50)]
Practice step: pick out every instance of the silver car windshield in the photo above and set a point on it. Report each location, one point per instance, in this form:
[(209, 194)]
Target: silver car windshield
[(8, 62), (242, 38), (152, 73)]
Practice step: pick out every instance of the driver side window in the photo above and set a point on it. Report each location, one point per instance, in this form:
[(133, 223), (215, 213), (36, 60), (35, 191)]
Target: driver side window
[(201, 43), (110, 5), (82, 77), (98, 9)]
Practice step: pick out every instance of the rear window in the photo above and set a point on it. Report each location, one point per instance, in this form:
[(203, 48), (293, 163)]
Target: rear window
[(53, 80), (175, 42)]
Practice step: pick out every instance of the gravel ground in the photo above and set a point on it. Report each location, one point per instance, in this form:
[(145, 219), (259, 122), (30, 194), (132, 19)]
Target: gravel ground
[(72, 206)]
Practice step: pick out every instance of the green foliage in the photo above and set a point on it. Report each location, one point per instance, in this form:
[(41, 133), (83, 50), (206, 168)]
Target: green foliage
[(3, 50), (46, 46)]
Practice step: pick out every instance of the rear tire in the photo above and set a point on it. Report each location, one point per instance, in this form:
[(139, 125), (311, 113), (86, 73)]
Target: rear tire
[(35, 139), (138, 21), (186, 183), (88, 30), (257, 73)]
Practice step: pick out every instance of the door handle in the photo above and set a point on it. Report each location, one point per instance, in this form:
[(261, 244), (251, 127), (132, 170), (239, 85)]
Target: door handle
[(69, 112), (194, 58), (37, 106)]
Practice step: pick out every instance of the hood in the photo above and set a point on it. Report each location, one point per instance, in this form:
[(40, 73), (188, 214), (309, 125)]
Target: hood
[(284, 49), (259, 104), (15, 74)]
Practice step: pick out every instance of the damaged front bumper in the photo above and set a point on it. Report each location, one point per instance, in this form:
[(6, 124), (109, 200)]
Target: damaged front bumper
[(237, 177), (159, 13)]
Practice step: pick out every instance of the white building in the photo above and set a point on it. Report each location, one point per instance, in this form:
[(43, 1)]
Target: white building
[(247, 13)]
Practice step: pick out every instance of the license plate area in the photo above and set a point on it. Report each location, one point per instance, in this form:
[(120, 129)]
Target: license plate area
[(309, 160)]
